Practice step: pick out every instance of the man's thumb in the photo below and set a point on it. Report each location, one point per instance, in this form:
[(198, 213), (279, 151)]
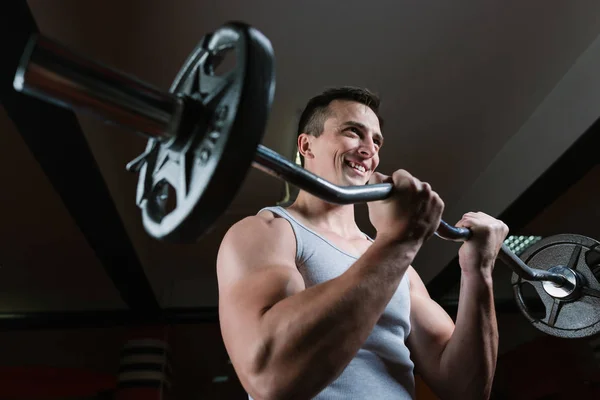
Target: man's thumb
[(379, 178)]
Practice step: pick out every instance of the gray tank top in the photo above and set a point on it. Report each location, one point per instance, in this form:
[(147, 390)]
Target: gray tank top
[(382, 369)]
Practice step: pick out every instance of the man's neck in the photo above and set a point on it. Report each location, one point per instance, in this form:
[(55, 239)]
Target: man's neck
[(335, 218)]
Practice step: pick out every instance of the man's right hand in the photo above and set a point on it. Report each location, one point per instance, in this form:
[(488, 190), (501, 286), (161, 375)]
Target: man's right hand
[(412, 212)]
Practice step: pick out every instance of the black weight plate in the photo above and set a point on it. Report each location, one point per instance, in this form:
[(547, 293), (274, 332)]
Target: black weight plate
[(203, 170), (576, 318)]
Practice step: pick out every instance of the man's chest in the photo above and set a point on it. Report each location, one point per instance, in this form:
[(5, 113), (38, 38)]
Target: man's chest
[(353, 247)]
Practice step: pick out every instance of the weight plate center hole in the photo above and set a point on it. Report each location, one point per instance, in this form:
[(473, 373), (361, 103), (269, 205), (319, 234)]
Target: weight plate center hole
[(221, 62), (532, 301), (166, 197)]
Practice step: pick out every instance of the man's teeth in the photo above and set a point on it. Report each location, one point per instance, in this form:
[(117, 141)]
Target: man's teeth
[(356, 166)]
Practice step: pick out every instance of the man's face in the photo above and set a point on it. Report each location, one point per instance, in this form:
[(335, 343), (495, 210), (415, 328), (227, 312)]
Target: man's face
[(347, 152)]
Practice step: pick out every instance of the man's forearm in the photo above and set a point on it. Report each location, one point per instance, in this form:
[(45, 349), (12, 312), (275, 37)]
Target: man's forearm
[(314, 334), (469, 359)]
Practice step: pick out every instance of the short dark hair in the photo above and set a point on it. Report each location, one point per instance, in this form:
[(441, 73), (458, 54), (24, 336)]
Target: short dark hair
[(316, 112)]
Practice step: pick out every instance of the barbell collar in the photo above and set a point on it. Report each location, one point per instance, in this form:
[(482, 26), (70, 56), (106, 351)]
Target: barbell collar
[(53, 73)]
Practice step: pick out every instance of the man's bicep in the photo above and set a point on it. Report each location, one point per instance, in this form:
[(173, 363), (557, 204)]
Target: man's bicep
[(248, 298), (256, 270), (431, 329)]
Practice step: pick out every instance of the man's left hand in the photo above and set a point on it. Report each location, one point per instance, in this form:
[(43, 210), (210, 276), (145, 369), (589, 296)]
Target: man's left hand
[(478, 254)]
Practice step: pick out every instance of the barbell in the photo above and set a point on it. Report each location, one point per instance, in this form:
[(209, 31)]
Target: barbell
[(205, 132)]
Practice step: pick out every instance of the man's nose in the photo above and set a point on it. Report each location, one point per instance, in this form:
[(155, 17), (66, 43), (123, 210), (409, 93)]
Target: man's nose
[(368, 148)]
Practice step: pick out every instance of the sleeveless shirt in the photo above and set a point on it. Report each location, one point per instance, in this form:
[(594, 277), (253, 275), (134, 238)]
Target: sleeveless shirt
[(382, 368)]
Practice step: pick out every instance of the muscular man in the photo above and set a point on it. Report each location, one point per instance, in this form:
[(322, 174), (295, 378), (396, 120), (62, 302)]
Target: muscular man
[(310, 307)]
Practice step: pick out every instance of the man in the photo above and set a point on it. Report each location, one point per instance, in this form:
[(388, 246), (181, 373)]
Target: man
[(310, 307)]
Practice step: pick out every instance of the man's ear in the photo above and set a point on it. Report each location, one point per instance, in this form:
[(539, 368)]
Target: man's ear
[(304, 145)]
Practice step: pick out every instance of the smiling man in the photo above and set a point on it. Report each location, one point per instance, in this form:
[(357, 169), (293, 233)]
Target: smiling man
[(311, 307)]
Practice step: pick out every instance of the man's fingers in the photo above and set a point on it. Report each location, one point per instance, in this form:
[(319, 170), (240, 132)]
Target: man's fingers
[(378, 177), (464, 223), (480, 220), (437, 202), (467, 221)]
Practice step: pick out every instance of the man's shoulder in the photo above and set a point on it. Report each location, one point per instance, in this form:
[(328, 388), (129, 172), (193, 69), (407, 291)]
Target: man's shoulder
[(262, 226), (264, 219), (256, 241)]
